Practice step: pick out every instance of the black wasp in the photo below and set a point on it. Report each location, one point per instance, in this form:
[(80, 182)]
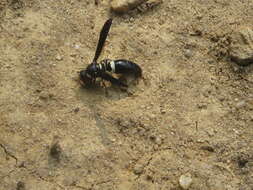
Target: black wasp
[(106, 66)]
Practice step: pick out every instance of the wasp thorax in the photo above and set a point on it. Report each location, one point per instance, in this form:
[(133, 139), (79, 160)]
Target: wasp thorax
[(92, 70)]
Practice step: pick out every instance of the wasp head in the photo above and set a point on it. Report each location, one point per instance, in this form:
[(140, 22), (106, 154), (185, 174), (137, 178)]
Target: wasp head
[(88, 75)]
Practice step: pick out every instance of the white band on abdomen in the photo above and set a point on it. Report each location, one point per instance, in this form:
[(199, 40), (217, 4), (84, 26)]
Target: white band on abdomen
[(100, 67), (112, 64)]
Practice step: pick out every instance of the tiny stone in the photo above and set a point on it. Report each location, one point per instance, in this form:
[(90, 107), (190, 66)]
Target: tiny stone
[(76, 109), (221, 98), (236, 132), (240, 104), (149, 178), (156, 147), (69, 181), (200, 141), (22, 165), (158, 140), (210, 62), (210, 132), (142, 106), (185, 181), (163, 111), (20, 185), (138, 169), (188, 53), (152, 138), (73, 54), (76, 46), (58, 58), (236, 69), (152, 116), (44, 95), (207, 148), (131, 19), (202, 106), (125, 123)]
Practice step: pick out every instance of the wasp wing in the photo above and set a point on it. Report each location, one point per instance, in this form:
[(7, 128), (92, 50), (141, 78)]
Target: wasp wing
[(103, 35)]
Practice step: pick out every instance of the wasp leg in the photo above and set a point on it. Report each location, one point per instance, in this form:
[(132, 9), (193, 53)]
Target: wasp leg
[(105, 87), (113, 80)]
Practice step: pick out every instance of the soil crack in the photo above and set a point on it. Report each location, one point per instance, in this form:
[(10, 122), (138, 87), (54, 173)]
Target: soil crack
[(8, 153), (99, 183)]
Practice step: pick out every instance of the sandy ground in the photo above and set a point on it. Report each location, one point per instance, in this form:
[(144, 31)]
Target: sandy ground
[(193, 113)]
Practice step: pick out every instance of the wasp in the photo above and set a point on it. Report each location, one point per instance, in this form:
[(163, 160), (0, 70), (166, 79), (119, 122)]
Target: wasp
[(106, 67)]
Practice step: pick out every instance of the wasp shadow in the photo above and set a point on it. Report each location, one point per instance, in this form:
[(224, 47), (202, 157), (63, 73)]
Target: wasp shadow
[(92, 97), (98, 93)]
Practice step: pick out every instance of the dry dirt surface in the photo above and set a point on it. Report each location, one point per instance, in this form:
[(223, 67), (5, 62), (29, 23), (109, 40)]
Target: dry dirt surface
[(192, 114)]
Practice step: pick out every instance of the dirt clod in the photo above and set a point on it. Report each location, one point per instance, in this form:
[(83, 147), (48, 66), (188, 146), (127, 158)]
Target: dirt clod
[(122, 6), (242, 46), (207, 148), (55, 149), (20, 186)]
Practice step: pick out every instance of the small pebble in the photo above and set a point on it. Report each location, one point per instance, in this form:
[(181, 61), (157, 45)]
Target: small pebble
[(221, 98), (76, 109), (188, 53), (138, 169), (142, 106), (158, 140), (163, 111), (210, 132), (202, 106), (240, 104), (76, 46), (43, 96), (207, 148), (200, 141), (210, 62), (58, 58), (131, 19), (185, 181), (152, 116), (125, 123), (149, 178)]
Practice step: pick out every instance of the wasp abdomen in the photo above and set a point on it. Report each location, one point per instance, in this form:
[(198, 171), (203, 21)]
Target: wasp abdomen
[(127, 67)]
